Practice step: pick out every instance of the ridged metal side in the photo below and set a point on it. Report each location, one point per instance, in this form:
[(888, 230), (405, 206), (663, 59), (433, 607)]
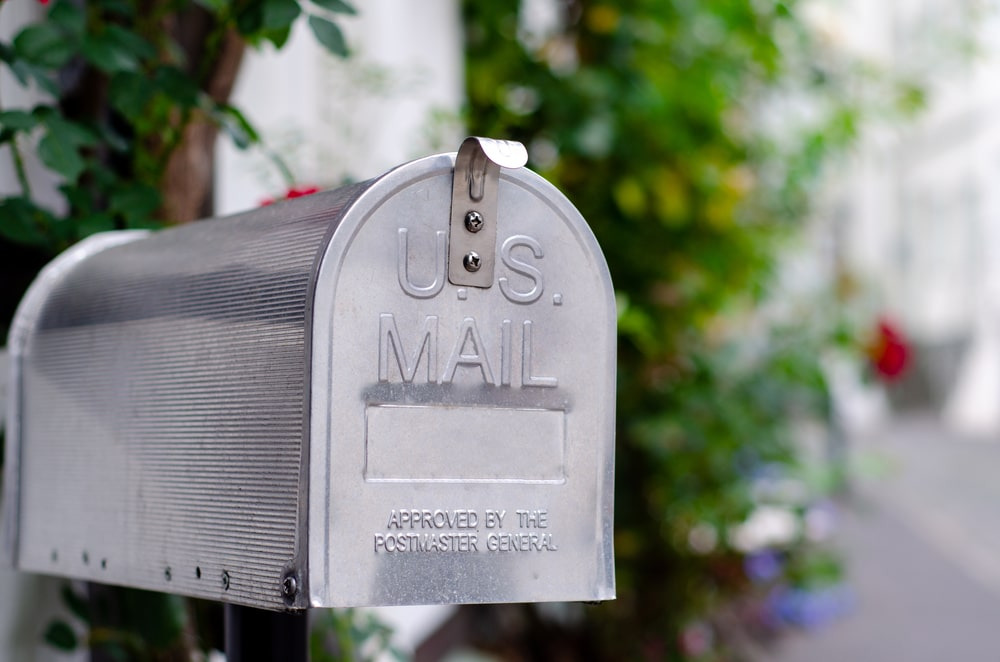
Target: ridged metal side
[(164, 394)]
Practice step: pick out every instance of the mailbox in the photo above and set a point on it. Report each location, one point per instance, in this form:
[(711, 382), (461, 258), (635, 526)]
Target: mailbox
[(396, 392)]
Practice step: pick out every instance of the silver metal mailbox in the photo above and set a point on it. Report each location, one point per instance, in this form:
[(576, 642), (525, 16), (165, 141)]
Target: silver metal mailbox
[(396, 392)]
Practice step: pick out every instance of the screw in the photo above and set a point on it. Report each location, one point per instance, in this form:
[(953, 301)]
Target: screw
[(472, 262), (289, 587), (474, 221), (225, 580)]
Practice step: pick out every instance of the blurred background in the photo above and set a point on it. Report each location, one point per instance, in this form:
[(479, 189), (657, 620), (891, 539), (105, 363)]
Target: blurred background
[(799, 205)]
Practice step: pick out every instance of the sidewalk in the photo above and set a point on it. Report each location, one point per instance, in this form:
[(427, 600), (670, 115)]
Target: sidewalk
[(921, 543)]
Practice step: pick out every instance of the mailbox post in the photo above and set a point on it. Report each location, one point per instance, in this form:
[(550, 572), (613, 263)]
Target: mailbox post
[(396, 392)]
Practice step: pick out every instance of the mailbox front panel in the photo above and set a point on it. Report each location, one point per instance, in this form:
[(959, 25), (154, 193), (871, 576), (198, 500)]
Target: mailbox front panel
[(462, 438)]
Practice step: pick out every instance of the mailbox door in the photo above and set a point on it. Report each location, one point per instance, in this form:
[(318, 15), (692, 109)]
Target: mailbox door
[(462, 438)]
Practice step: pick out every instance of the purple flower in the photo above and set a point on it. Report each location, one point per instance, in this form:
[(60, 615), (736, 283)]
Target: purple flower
[(763, 566)]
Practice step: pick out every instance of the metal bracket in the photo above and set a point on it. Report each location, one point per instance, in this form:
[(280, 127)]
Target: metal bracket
[(472, 235)]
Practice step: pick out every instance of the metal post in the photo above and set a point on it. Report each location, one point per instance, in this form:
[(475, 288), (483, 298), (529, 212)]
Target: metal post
[(256, 635)]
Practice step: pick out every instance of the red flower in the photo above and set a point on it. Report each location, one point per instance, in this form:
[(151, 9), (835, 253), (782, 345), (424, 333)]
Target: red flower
[(43, 2), (889, 351), (301, 191), (293, 192)]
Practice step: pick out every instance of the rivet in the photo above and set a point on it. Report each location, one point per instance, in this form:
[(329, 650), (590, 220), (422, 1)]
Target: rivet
[(472, 262), (474, 221), (289, 587)]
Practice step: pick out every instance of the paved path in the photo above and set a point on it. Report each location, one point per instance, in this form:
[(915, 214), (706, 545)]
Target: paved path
[(921, 540)]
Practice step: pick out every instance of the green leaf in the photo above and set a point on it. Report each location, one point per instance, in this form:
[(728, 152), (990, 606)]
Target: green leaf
[(279, 14), (61, 636), (129, 93), (250, 19), (7, 54), (114, 140), (107, 54), (59, 149), (214, 6), (75, 603), (328, 34), (44, 44), (177, 85), (158, 618), (73, 133), (43, 77), (122, 8), (22, 222), (17, 120), (236, 126), (277, 37), (336, 6), (94, 223), (60, 157), (69, 17), (135, 203), (130, 41)]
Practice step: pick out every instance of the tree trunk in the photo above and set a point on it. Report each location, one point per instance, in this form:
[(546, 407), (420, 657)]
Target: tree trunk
[(187, 181)]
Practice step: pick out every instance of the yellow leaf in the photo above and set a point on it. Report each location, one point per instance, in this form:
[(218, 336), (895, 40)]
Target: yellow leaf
[(602, 19), (630, 197)]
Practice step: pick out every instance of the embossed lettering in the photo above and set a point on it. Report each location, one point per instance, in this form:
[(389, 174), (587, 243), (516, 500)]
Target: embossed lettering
[(528, 379), (469, 350), (403, 267), (533, 519), (520, 542), (468, 335), (414, 518), (426, 542), (523, 268), (505, 352), (493, 519), (390, 341)]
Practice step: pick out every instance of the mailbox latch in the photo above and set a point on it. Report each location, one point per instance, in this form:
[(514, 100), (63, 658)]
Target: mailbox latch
[(472, 235)]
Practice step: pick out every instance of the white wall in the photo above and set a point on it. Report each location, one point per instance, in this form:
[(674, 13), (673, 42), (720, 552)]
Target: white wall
[(395, 99), (921, 225)]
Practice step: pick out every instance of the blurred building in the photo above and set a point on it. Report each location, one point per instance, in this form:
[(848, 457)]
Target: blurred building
[(916, 215)]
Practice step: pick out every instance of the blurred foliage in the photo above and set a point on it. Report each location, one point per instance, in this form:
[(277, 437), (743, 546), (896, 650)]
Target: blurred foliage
[(350, 634), (691, 135), (123, 84), (147, 626)]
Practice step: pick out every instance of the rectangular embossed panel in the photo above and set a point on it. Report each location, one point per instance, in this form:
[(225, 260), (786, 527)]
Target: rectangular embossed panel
[(432, 444)]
